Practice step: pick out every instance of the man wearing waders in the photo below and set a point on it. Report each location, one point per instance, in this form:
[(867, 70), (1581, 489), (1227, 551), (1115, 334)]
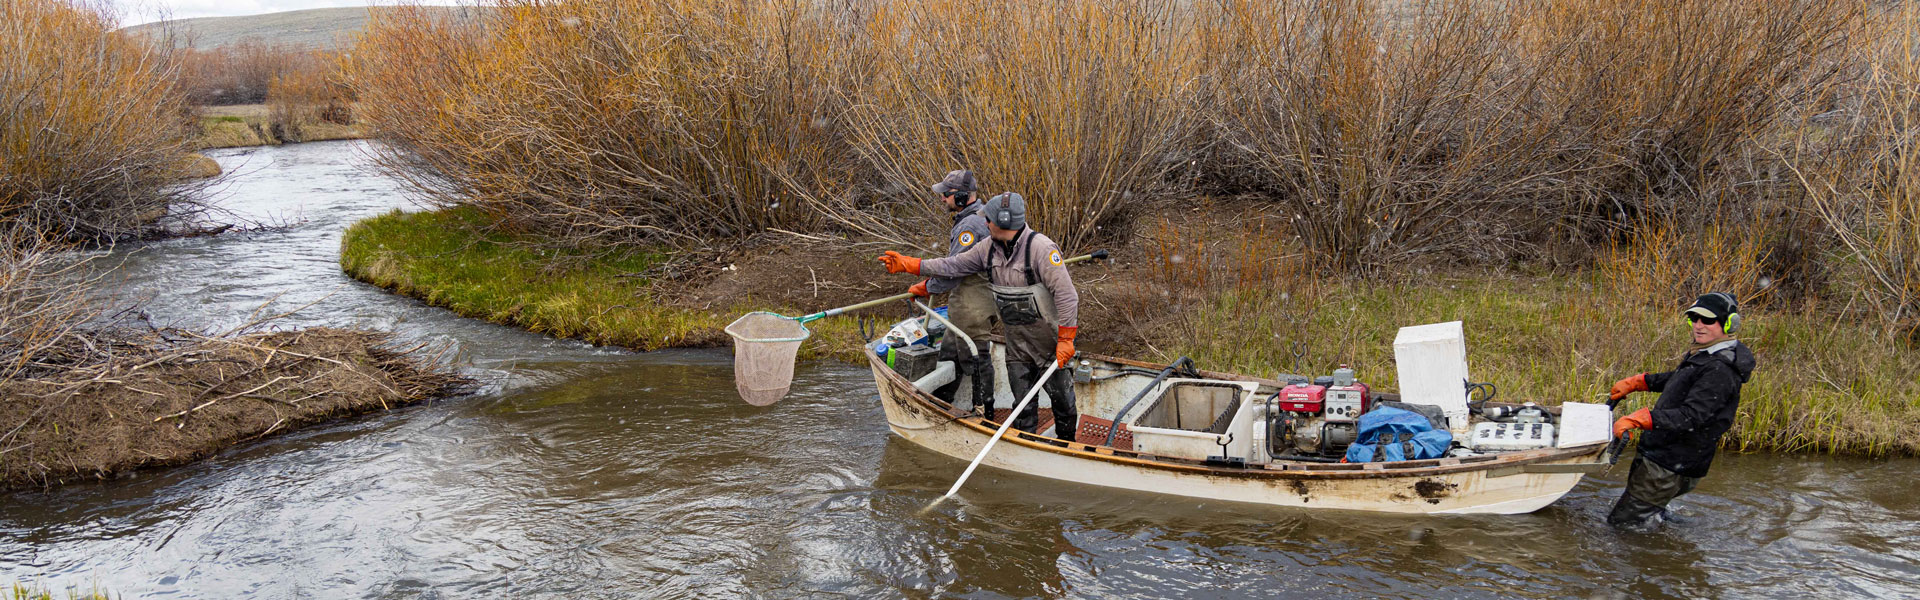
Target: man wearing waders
[(969, 299), (1696, 406), (1034, 297)]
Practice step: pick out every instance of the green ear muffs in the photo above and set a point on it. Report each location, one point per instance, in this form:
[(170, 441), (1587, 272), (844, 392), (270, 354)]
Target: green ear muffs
[(1732, 322)]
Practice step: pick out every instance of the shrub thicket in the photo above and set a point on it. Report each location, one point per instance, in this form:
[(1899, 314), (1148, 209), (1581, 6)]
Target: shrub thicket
[(241, 72), (679, 119), (1622, 133), (299, 99), (93, 135)]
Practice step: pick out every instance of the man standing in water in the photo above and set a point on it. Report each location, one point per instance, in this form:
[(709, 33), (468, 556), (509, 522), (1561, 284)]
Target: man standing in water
[(1034, 297), (969, 299), (1696, 406)]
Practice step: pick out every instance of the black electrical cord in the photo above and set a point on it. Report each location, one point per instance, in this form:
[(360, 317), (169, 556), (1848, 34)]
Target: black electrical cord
[(1489, 391)]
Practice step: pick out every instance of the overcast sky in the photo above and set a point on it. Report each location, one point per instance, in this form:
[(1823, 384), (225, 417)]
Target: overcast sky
[(134, 12)]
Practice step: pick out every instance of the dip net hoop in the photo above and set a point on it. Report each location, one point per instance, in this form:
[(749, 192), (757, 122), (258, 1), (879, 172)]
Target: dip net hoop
[(765, 346)]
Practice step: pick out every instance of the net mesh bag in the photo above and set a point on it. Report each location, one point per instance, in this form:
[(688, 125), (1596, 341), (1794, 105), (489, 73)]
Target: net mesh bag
[(764, 347)]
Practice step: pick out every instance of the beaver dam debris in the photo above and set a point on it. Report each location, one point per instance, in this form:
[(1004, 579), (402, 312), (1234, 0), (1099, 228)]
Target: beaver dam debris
[(100, 403)]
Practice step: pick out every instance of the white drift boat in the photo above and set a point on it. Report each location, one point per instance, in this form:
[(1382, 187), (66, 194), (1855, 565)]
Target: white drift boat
[(1207, 435)]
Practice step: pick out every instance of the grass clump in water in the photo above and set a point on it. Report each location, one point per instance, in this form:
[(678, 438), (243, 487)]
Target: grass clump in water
[(37, 592)]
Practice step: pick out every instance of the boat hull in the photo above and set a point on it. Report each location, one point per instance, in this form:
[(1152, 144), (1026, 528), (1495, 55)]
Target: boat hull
[(1509, 483)]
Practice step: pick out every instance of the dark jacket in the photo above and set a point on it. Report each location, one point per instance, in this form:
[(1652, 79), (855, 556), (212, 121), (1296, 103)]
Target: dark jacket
[(1696, 406)]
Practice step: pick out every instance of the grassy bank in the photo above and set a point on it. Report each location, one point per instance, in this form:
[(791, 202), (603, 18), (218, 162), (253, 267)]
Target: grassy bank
[(1824, 385), (252, 125), (603, 296)]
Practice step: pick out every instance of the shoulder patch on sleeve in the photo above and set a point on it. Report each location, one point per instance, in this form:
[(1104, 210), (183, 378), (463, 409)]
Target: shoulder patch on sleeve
[(966, 239), (1054, 257)]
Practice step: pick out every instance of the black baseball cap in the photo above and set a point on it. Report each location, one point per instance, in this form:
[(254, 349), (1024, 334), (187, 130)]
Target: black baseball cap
[(1714, 305)]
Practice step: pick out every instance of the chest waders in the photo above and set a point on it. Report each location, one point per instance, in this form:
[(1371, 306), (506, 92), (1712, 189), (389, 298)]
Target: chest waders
[(1032, 331), (970, 308), (1027, 311)]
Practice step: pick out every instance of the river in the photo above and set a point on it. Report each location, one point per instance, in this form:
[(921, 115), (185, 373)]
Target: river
[(584, 472)]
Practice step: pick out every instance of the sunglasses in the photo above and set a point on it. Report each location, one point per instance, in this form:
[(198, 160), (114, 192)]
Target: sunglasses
[(1694, 318)]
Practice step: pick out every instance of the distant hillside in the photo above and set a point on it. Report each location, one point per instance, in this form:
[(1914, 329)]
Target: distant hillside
[(321, 28)]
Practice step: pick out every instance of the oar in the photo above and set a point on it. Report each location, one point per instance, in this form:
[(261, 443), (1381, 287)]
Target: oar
[(1031, 394)]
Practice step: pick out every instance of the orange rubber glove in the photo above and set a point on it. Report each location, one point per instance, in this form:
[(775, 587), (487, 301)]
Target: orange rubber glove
[(919, 289), (1063, 350), (898, 263), (1636, 383), (1640, 419)]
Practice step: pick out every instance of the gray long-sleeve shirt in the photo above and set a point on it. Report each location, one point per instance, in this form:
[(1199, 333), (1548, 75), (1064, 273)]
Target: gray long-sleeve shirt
[(1008, 269), (969, 229)]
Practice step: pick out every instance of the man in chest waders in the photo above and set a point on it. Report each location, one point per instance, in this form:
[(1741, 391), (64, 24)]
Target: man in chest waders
[(1696, 406), (1034, 297), (969, 298)]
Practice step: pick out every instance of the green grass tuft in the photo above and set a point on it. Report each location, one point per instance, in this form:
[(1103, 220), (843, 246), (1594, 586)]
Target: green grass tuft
[(38, 592)]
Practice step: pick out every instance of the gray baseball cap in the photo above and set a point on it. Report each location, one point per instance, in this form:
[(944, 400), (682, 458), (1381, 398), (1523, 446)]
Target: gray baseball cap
[(1007, 211), (957, 182)]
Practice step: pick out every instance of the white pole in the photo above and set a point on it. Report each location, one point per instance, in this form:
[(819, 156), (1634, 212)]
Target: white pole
[(1031, 394)]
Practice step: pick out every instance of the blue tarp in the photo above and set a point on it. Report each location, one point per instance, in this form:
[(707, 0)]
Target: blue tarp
[(1402, 424)]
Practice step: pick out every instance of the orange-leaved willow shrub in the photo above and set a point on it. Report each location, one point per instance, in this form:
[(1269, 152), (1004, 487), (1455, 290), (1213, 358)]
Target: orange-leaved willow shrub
[(1491, 129), (1086, 108), (1386, 132), (92, 131), (615, 120), (706, 118)]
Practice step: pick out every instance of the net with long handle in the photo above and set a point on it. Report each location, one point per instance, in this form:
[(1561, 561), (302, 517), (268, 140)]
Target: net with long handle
[(764, 347)]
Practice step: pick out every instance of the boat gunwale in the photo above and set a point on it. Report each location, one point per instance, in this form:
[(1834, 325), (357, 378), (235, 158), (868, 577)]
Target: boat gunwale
[(1285, 470)]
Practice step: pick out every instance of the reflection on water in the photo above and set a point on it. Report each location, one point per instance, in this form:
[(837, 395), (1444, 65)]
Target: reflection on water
[(597, 473)]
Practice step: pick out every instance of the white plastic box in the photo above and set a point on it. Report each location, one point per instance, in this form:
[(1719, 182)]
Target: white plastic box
[(1175, 424), (1432, 362), (1584, 423)]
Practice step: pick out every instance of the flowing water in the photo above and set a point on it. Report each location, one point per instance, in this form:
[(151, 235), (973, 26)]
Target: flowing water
[(587, 472)]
